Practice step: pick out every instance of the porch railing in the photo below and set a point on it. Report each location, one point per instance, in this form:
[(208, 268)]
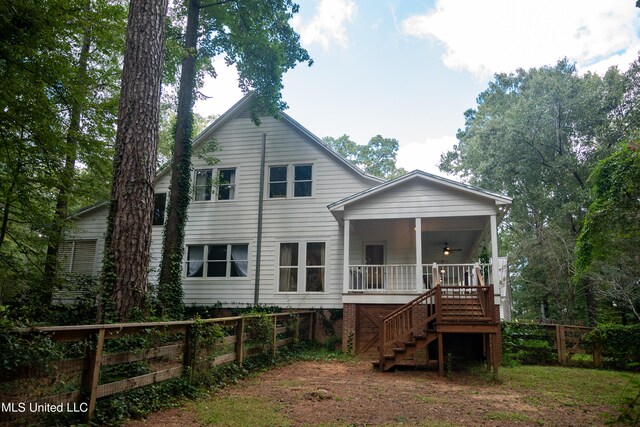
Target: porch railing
[(382, 278), (402, 277)]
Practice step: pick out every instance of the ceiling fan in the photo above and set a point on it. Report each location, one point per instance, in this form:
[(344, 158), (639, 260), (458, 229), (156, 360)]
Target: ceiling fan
[(447, 249)]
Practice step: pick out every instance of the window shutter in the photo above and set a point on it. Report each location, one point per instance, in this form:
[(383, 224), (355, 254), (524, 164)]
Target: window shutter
[(84, 256)]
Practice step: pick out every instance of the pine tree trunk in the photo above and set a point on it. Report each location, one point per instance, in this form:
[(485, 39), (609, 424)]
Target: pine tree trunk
[(128, 240), (170, 284)]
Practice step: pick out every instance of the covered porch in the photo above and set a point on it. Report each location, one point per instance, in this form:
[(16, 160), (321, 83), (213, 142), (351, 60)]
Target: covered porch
[(410, 234)]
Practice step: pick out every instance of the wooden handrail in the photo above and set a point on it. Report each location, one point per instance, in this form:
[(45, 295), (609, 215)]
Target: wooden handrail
[(400, 323)]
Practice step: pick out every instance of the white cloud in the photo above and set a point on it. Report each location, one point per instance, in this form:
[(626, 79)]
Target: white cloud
[(222, 91), (489, 36), (328, 25), (424, 155)]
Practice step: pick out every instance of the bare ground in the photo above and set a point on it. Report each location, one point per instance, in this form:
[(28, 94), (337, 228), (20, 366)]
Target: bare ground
[(353, 393)]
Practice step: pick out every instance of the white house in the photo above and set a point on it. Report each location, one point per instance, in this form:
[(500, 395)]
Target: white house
[(282, 219)]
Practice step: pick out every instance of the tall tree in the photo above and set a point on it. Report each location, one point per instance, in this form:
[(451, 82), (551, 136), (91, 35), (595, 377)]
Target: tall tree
[(128, 237), (41, 57), (535, 135), (607, 248), (257, 38), (98, 45), (377, 157)]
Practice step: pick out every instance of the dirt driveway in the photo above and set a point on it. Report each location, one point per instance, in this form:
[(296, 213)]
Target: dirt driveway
[(352, 393)]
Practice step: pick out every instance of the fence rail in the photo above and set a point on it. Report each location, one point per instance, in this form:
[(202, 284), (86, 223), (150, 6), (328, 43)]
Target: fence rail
[(179, 349)]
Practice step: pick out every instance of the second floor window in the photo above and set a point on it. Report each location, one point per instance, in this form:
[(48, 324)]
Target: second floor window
[(202, 187), (224, 184), (278, 182), (281, 184)]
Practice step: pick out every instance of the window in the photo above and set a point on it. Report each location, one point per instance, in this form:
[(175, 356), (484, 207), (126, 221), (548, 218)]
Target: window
[(222, 260), (311, 273), (281, 185), (159, 205), (315, 267), (78, 256), (302, 181), (277, 182), (202, 187), (226, 184), (288, 267)]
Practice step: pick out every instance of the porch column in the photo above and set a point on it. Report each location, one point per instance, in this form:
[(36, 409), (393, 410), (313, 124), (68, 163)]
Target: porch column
[(494, 253), (418, 228), (345, 256)]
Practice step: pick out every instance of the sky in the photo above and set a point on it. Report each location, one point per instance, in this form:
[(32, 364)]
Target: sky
[(409, 69)]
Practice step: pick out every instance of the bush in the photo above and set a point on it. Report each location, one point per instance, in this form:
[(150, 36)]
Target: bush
[(527, 343), (620, 345)]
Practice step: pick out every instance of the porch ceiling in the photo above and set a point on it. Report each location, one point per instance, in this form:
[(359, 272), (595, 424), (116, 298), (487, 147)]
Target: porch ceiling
[(460, 233), (463, 233)]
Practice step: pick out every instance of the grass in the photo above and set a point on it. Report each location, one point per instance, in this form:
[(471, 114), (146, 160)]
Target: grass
[(231, 411), (575, 389), (570, 386)]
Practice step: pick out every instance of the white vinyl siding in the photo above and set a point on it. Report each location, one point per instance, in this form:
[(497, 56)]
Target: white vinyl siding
[(302, 219), (419, 199)]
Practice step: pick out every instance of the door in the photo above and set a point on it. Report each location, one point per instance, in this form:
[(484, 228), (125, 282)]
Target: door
[(374, 255)]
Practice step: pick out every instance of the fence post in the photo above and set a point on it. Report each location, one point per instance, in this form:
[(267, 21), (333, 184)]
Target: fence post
[(275, 334), (91, 376), (312, 326), (296, 329), (597, 351), (190, 349), (240, 341), (560, 344)]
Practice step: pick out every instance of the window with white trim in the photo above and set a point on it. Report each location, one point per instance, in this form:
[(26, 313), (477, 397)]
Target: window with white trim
[(302, 180), (302, 267), (278, 182), (287, 180), (78, 256), (224, 184), (217, 260), (202, 185)]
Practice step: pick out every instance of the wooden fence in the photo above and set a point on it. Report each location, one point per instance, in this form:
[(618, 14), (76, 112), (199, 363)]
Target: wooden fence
[(563, 341), (569, 340), (168, 349)]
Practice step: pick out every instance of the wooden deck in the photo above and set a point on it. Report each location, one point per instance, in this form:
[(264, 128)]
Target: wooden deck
[(441, 310)]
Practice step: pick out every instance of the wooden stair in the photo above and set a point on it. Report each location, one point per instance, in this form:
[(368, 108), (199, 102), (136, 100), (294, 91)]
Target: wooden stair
[(406, 350), (469, 308), (423, 320)]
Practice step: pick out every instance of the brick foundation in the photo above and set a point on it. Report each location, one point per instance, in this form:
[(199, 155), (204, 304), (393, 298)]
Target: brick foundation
[(348, 327)]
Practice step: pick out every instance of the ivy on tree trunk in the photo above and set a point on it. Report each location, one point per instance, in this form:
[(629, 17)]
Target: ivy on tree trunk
[(170, 292)]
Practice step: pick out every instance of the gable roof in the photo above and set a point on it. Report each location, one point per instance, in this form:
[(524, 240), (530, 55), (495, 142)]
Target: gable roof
[(420, 175), (245, 103)]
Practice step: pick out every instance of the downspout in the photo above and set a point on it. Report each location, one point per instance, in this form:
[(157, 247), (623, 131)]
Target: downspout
[(256, 292)]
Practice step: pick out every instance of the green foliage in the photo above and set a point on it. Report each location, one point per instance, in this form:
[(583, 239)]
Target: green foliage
[(44, 84), (526, 343), (607, 247), (620, 345), (535, 136), (377, 158)]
